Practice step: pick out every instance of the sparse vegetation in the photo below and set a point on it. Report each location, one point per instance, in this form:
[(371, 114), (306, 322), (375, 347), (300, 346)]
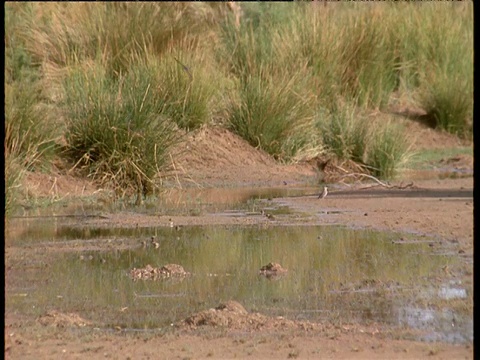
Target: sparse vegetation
[(117, 84)]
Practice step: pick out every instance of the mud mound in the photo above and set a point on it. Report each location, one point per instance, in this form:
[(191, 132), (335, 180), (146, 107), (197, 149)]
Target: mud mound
[(232, 315), (272, 270), (424, 137), (213, 156), (58, 319), (151, 273), (213, 145)]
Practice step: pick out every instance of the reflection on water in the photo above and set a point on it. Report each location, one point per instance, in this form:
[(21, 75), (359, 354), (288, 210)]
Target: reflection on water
[(189, 201), (449, 293), (334, 274), (439, 325)]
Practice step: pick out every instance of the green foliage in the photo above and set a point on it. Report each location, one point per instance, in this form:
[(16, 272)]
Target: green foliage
[(14, 173), (382, 148), (389, 150), (118, 34), (344, 133), (188, 87), (109, 75), (272, 106), (442, 62), (269, 113), (450, 103), (116, 128), (244, 52), (29, 133), (368, 64), (29, 142)]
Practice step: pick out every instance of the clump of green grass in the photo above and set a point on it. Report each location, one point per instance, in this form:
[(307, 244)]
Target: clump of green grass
[(19, 65), (448, 100), (116, 128), (389, 150), (350, 54), (381, 148), (344, 133), (442, 62), (119, 89), (250, 48), (29, 143), (368, 64), (29, 132), (287, 67), (362, 57), (269, 113), (118, 34), (64, 36), (271, 106), (190, 87), (14, 173)]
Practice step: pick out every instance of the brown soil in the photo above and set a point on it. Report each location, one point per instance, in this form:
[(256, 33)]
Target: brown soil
[(216, 158)]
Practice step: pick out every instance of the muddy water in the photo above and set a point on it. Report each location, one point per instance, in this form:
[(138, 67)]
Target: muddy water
[(334, 275), (188, 201)]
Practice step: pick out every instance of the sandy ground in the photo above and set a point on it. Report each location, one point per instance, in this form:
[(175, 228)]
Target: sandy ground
[(442, 208)]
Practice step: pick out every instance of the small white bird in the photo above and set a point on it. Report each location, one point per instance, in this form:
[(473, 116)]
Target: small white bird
[(324, 193)]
